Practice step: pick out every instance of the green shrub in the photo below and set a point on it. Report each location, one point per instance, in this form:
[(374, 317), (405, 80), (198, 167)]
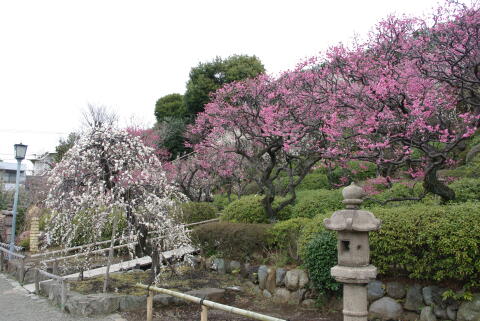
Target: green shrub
[(315, 180), (361, 170), (221, 200), (397, 191), (284, 236), (193, 212), (426, 242), (311, 229), (25, 243), (249, 209), (231, 240), (314, 202), (466, 189), (320, 257)]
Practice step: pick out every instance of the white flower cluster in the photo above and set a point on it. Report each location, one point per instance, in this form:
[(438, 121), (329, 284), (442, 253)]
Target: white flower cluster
[(110, 172)]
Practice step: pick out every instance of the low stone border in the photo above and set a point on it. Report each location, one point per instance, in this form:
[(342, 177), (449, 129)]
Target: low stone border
[(387, 301), (397, 301), (107, 303)]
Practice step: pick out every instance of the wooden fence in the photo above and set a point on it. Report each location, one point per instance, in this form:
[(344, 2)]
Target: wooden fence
[(5, 255), (204, 303)]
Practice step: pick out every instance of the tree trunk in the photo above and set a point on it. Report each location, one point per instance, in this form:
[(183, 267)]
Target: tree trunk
[(435, 186), (155, 263), (110, 253), (267, 205)]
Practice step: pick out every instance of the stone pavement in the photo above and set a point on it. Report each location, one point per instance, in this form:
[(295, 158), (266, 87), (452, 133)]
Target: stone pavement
[(16, 304)]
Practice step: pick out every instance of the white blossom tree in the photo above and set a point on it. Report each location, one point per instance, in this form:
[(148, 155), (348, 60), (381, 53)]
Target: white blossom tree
[(107, 175)]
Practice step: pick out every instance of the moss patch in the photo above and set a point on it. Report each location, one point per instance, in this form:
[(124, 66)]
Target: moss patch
[(124, 283)]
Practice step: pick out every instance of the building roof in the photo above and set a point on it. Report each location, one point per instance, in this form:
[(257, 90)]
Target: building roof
[(12, 166)]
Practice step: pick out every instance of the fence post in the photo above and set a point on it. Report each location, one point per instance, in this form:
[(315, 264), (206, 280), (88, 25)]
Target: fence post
[(37, 282), (150, 306), (63, 299), (204, 313), (55, 267), (22, 270)]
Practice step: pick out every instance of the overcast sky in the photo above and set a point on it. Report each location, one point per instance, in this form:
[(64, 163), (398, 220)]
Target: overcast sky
[(57, 56)]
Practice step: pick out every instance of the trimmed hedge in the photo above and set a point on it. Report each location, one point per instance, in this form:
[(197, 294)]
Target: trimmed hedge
[(231, 240), (426, 242), (316, 202), (193, 212)]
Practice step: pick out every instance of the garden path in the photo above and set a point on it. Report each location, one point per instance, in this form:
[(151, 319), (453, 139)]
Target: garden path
[(16, 304)]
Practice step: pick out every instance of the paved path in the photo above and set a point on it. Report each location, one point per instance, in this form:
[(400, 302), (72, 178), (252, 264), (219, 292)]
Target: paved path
[(16, 304)]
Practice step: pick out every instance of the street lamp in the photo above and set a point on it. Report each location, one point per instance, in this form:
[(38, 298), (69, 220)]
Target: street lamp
[(20, 151)]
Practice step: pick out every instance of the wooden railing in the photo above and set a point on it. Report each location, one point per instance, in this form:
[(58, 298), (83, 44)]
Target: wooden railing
[(4, 252), (204, 303), (15, 247)]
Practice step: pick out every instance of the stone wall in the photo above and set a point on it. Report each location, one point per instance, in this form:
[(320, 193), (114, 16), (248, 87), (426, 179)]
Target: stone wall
[(283, 286), (387, 300)]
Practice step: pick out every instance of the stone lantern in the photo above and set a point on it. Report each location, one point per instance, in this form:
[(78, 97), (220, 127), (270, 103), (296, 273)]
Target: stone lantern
[(353, 269)]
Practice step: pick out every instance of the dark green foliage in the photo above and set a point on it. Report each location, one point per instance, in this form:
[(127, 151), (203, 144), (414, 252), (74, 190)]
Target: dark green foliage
[(64, 146), (231, 240), (206, 78), (197, 211), (172, 130), (321, 256), (466, 189), (171, 105), (314, 202), (284, 236), (432, 243)]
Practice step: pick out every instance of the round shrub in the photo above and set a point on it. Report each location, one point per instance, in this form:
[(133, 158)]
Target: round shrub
[(466, 189), (315, 180), (247, 209), (193, 212), (315, 202), (321, 256), (284, 236), (426, 242)]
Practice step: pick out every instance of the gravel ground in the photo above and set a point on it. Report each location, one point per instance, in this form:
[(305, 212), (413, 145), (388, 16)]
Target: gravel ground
[(16, 304)]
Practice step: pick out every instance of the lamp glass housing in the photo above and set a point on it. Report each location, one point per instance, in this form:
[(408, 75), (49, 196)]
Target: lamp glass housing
[(20, 151)]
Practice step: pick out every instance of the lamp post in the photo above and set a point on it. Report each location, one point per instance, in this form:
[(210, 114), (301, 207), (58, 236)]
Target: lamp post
[(20, 151)]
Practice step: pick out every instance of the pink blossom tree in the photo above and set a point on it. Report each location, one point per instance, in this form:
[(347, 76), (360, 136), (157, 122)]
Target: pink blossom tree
[(261, 123), (397, 104)]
